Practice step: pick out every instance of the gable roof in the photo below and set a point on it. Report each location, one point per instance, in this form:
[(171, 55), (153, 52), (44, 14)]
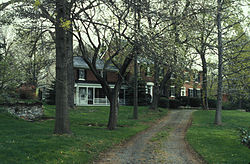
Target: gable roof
[(78, 62)]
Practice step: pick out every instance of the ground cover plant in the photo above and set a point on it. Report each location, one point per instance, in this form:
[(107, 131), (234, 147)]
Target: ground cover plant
[(219, 144), (34, 142)]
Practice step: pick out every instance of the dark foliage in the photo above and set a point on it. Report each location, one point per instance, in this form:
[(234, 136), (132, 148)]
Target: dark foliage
[(194, 102), (212, 103), (143, 98), (163, 102), (189, 101), (228, 106), (184, 100), (174, 104), (51, 94)]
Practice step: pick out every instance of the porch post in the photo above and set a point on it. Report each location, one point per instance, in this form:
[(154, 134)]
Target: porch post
[(77, 96), (93, 95)]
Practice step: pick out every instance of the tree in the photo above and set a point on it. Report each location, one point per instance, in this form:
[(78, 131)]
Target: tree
[(226, 11), (62, 116), (218, 120), (201, 38), (104, 29), (165, 41)]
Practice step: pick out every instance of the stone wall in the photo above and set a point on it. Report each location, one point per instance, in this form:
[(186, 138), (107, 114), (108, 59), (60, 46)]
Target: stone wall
[(25, 111)]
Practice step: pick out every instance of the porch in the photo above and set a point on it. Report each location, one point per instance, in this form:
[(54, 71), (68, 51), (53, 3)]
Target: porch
[(93, 95)]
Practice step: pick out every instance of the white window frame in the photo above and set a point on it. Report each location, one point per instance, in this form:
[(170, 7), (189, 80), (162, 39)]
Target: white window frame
[(183, 89), (172, 94)]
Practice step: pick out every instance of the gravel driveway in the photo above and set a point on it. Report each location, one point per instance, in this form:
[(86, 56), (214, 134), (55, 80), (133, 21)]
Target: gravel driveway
[(172, 149)]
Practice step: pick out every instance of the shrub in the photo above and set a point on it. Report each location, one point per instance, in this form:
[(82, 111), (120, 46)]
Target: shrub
[(189, 101), (184, 100), (6, 98), (212, 103), (228, 106), (143, 98), (194, 102), (174, 104), (163, 102), (245, 137), (50, 97)]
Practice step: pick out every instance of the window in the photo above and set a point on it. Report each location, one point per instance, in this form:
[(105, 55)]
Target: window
[(172, 91), (183, 91), (186, 77), (190, 92), (99, 93), (82, 74), (197, 77)]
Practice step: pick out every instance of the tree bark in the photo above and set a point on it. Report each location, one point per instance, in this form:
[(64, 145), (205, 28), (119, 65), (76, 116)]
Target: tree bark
[(204, 82), (156, 92), (135, 111), (218, 120), (70, 70), (113, 114), (62, 116)]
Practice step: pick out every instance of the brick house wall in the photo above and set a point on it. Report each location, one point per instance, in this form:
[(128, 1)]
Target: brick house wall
[(112, 77)]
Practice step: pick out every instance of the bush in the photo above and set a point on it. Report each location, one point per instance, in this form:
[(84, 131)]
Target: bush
[(50, 97), (143, 98), (195, 102), (163, 102), (245, 137), (184, 100), (228, 106), (189, 101), (174, 104), (212, 103), (7, 98)]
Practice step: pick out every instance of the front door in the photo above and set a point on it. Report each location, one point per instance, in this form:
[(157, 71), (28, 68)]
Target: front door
[(83, 96)]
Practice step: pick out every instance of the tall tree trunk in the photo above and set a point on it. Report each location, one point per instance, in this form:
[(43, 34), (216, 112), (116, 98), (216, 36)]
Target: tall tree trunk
[(62, 116), (135, 111), (156, 92), (218, 120), (204, 82), (113, 114), (70, 71), (137, 17)]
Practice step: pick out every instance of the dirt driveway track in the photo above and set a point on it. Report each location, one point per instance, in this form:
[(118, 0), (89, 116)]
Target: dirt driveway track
[(172, 150)]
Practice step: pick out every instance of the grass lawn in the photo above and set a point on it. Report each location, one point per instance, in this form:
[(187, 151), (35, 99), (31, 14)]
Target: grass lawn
[(34, 142), (219, 144)]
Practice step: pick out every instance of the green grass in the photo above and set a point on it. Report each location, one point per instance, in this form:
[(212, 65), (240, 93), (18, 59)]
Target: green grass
[(219, 144), (161, 135), (34, 142)]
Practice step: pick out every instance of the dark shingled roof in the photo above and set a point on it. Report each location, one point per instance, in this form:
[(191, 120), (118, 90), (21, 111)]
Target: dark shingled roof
[(78, 62)]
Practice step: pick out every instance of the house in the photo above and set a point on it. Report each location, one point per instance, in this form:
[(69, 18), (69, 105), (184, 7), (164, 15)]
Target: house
[(88, 91), (192, 86)]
